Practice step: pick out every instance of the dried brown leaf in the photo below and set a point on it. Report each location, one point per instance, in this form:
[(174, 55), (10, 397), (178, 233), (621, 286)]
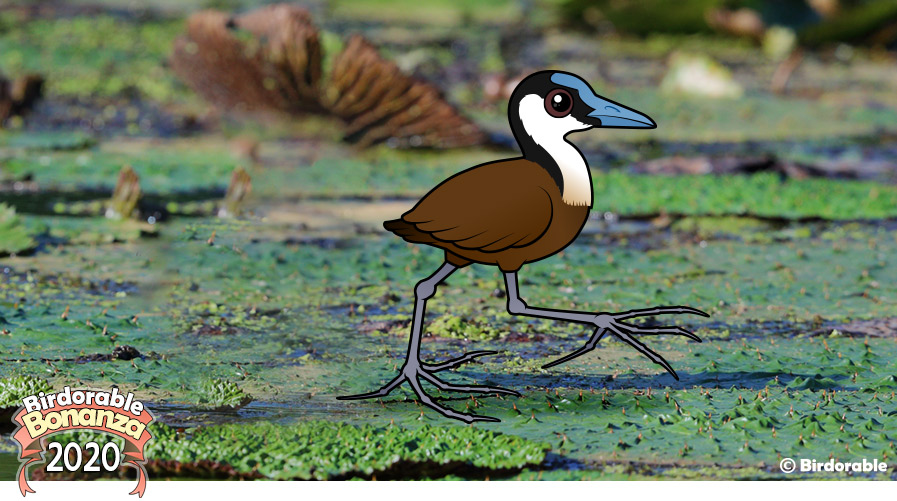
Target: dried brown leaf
[(265, 60), (270, 60), (380, 103)]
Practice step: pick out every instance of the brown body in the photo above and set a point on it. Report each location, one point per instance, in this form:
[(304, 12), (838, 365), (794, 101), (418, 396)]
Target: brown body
[(506, 213)]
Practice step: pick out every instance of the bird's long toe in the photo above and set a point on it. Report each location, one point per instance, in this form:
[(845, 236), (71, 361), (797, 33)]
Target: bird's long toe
[(589, 346), (413, 375), (455, 362), (382, 392), (642, 348), (659, 310), (566, 358), (445, 411), (655, 331), (442, 385), (626, 332)]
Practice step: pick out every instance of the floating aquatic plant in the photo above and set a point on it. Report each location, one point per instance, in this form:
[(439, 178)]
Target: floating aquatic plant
[(14, 236), (328, 450), (14, 388), (220, 394)]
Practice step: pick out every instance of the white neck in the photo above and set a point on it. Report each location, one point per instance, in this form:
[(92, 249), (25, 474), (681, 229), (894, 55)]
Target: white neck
[(574, 171), (548, 132)]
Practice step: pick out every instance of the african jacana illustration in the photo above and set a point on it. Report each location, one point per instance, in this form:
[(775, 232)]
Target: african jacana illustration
[(516, 211)]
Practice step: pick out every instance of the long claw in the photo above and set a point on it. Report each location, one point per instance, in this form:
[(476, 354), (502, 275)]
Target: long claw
[(662, 330), (442, 385), (445, 411), (659, 310), (382, 392), (362, 396), (455, 362), (568, 357), (641, 347), (589, 346), (412, 374)]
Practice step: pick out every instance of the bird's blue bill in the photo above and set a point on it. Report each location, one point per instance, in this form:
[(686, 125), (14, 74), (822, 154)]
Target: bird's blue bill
[(611, 114)]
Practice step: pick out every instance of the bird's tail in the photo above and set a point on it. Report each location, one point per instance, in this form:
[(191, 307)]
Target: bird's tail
[(408, 231)]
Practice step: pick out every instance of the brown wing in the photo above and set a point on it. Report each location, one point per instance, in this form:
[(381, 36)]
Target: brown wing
[(490, 207)]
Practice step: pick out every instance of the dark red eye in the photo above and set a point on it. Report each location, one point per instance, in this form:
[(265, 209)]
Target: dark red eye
[(558, 103)]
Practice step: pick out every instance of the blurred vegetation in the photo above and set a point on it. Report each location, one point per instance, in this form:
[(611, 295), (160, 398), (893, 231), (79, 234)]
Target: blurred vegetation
[(823, 22), (14, 237), (641, 17), (870, 22), (99, 55), (250, 325), (434, 11), (763, 195), (14, 388), (322, 450)]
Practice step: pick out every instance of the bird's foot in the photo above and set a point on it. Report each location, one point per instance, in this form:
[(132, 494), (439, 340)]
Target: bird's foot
[(455, 362), (614, 323), (413, 372)]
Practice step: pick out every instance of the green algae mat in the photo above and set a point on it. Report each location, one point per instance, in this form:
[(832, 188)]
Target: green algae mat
[(240, 334), (239, 323)]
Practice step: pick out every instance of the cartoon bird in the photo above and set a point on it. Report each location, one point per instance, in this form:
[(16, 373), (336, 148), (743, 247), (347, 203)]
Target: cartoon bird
[(516, 211)]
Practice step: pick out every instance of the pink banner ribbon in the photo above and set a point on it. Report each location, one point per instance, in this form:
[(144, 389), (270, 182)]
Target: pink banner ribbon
[(32, 449)]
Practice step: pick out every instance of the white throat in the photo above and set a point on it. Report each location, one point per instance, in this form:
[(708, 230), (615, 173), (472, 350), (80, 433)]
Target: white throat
[(548, 132)]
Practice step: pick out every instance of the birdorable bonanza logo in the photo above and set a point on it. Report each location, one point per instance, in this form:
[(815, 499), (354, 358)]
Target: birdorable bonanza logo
[(110, 412)]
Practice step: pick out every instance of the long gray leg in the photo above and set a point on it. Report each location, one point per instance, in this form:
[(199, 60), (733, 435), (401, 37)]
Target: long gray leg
[(423, 291), (413, 369), (603, 322)]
